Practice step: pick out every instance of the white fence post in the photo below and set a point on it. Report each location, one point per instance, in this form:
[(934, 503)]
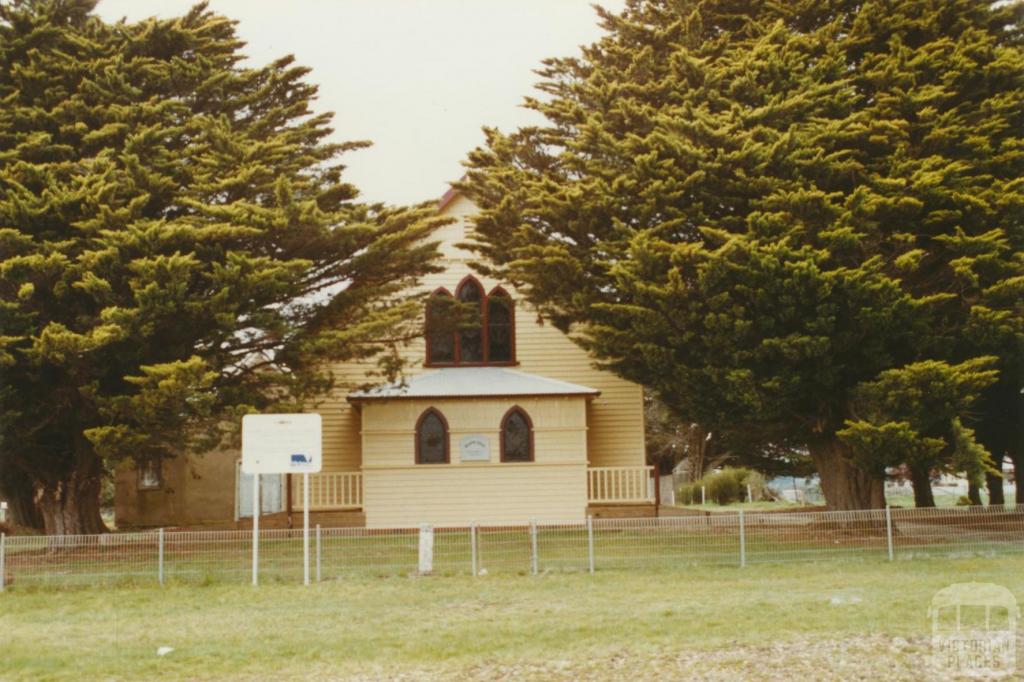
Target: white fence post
[(888, 532), (160, 556), (3, 564), (702, 496), (426, 549), (590, 542), (318, 552), (533, 547), (743, 542), (472, 549)]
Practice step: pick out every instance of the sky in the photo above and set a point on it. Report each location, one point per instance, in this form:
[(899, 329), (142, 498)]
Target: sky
[(418, 78)]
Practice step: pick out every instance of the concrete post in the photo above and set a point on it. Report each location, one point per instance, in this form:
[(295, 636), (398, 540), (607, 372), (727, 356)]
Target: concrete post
[(318, 552), (533, 547), (590, 543), (743, 542), (472, 550), (160, 556), (888, 532)]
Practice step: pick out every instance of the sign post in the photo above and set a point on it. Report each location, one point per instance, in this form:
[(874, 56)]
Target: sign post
[(255, 529), (305, 528), (281, 444)]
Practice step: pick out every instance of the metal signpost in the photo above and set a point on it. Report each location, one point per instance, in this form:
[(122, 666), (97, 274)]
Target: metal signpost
[(281, 444)]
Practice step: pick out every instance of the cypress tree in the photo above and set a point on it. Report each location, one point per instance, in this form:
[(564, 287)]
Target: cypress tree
[(178, 247), (760, 210)]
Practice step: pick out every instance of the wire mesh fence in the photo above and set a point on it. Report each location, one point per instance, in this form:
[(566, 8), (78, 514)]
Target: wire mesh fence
[(724, 539)]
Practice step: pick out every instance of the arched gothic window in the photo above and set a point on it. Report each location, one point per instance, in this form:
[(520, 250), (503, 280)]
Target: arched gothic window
[(500, 327), (516, 436), (470, 328), (440, 334), (432, 438)]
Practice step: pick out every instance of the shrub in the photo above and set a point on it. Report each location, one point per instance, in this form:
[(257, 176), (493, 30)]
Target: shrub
[(725, 487)]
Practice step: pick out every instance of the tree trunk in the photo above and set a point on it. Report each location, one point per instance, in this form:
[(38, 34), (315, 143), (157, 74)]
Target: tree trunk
[(21, 507), (921, 478), (973, 493), (845, 485), (71, 507), (995, 489)]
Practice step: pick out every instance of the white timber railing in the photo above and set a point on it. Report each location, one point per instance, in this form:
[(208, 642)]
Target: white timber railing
[(330, 490), (619, 485)]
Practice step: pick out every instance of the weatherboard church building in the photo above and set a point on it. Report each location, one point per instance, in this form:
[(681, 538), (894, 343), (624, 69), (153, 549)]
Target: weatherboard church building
[(505, 423)]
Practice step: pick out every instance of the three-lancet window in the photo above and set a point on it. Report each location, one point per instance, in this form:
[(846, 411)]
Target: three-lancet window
[(470, 328)]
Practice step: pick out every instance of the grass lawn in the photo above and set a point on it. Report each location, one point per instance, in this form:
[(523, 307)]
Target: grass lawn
[(861, 619)]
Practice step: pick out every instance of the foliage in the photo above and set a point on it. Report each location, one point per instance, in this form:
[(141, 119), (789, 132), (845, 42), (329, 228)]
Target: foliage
[(178, 246), (757, 209), (726, 486), (911, 415)]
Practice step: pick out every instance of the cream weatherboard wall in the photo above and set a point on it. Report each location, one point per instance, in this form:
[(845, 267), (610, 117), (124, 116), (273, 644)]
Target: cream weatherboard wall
[(399, 492), (615, 435)]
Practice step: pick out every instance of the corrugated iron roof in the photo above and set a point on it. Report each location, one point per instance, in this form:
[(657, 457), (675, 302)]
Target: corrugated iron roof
[(473, 382)]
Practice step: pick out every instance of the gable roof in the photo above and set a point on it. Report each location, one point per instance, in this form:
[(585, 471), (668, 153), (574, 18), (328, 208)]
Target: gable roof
[(474, 382), (447, 198)]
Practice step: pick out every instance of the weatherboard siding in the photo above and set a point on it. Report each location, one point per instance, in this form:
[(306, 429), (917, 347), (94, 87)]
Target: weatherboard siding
[(399, 492), (483, 494)]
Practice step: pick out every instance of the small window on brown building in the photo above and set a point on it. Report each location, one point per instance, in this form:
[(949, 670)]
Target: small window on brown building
[(150, 474)]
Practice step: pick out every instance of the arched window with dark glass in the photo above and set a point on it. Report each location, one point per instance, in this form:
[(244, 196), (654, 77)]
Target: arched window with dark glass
[(432, 438), (439, 327), (500, 326), (470, 328), (471, 333), (516, 436)]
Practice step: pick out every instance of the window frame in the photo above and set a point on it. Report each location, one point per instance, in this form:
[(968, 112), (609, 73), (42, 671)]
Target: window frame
[(485, 328), (141, 470), (516, 409), (447, 436)]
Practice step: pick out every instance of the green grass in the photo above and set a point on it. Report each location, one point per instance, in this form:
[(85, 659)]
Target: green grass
[(731, 622)]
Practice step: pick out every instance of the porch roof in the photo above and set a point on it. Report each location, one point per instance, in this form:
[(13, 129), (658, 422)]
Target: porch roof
[(474, 382)]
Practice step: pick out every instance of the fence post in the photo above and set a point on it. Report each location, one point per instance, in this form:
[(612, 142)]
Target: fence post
[(472, 549), (318, 552), (888, 531), (533, 547), (160, 555), (3, 564), (743, 542), (590, 542), (426, 563)]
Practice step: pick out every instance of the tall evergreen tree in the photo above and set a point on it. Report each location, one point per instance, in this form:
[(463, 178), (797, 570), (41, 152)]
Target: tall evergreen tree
[(758, 208), (178, 247)]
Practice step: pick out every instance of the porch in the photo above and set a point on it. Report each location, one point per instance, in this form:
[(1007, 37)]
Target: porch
[(343, 490)]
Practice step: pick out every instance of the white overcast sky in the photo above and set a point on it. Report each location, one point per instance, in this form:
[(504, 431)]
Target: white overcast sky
[(418, 78)]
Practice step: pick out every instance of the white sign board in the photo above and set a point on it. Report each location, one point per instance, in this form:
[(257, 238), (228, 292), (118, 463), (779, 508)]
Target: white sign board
[(281, 444), (475, 448)]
